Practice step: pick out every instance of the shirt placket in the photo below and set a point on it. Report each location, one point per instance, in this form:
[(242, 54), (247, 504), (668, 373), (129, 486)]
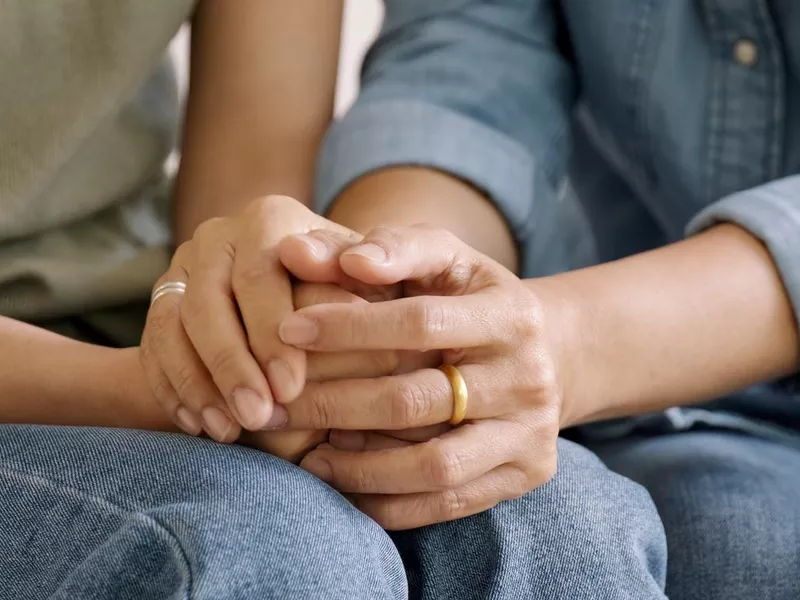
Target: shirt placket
[(746, 103)]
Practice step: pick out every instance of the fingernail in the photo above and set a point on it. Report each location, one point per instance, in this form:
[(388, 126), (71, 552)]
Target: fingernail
[(216, 423), (251, 408), (320, 468), (348, 440), (188, 421), (372, 252), (281, 380), (318, 248), (295, 330), (278, 419)]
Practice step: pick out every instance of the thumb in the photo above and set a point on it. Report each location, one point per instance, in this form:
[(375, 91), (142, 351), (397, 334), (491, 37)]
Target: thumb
[(314, 256)]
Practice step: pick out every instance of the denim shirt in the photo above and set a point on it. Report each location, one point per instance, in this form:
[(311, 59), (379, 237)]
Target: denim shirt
[(599, 128)]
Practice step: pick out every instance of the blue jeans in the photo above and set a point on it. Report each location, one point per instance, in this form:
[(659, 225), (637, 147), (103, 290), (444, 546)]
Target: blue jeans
[(102, 514)]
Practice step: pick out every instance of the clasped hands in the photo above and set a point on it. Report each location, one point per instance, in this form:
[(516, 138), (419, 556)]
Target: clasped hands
[(335, 365)]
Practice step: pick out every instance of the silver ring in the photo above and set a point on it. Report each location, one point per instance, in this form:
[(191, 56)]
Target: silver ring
[(168, 287)]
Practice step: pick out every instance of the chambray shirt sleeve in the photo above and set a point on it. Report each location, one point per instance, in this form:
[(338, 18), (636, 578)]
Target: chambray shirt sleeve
[(475, 88), (771, 212)]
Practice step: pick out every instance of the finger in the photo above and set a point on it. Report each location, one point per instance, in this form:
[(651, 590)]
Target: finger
[(333, 366), (210, 318), (439, 464), (354, 441), (420, 323), (418, 434), (314, 256), (155, 336), (340, 365), (263, 293), (288, 445), (163, 393), (199, 398), (434, 258), (409, 511), (356, 365), (399, 402), (330, 366), (341, 439), (309, 294)]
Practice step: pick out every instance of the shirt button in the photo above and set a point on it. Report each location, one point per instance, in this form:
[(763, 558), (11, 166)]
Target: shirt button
[(745, 52)]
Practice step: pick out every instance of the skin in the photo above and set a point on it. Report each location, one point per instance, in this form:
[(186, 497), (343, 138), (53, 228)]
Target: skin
[(688, 322), (253, 128), (242, 139), (263, 79)]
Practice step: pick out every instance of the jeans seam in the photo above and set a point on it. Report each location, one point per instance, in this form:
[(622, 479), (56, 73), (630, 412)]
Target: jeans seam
[(14, 474)]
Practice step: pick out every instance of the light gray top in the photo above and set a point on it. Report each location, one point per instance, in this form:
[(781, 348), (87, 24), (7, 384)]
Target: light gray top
[(88, 115)]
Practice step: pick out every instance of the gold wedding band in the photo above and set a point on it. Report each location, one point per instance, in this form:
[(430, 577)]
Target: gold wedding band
[(460, 394)]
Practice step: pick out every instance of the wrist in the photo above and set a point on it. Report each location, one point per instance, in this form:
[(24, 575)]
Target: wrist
[(566, 328), (128, 401)]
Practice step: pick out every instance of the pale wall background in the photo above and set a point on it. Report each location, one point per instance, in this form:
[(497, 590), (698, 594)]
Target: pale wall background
[(362, 19)]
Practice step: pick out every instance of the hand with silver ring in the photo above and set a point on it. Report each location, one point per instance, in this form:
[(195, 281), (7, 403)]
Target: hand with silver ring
[(210, 349), (487, 324)]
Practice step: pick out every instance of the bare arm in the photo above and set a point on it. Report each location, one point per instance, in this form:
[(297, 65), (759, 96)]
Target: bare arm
[(679, 325), (411, 195), (263, 76), (685, 323), (49, 379)]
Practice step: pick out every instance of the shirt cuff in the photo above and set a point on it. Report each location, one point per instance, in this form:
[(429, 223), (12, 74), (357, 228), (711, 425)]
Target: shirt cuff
[(379, 134), (771, 213)]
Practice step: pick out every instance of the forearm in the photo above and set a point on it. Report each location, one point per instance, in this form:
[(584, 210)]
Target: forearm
[(679, 325), (263, 76), (410, 195), (48, 379)]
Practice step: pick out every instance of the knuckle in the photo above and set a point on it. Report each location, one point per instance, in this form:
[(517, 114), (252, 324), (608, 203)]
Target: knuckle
[(452, 504), (250, 276), (543, 472), (320, 411), (224, 363), (360, 480), (445, 468), (208, 229), (527, 317), (185, 382), (546, 379), (386, 362), (412, 405), (265, 208), (459, 277), (426, 321)]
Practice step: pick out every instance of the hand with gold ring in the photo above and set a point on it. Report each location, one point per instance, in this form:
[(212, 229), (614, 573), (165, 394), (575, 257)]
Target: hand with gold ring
[(489, 326)]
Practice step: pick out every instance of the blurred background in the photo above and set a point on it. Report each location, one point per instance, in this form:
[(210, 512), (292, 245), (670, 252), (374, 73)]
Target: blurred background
[(362, 19)]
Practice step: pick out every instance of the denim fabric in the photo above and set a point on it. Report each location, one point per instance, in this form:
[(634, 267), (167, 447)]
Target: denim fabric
[(729, 507), (650, 110), (97, 514)]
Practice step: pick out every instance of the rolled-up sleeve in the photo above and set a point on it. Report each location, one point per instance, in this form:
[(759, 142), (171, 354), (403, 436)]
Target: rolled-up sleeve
[(475, 88), (771, 213)]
